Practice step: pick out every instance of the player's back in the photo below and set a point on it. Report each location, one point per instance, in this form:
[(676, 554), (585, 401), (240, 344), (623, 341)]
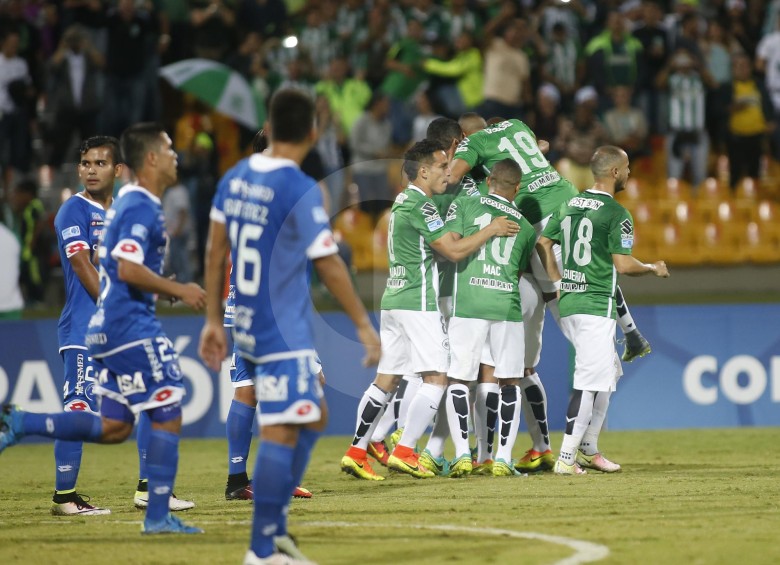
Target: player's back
[(134, 231), (542, 189), (79, 226), (274, 218)]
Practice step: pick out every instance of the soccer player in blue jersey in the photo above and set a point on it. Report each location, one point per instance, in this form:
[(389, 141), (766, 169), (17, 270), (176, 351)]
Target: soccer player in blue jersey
[(270, 215), (137, 367)]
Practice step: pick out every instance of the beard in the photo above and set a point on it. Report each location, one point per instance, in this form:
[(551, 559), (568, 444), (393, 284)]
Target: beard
[(620, 184)]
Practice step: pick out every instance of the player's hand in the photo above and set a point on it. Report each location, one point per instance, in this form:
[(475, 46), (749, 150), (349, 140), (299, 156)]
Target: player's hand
[(503, 227), (661, 270), (193, 296), (213, 345), (370, 340), (544, 145)]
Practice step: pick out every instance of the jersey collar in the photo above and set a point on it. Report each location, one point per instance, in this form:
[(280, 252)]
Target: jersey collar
[(265, 164), (417, 188), (499, 197), (136, 188), (594, 191), (95, 204)]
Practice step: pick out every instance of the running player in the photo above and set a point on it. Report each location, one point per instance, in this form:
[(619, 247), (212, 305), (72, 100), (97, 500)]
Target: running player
[(137, 367), (595, 234), (269, 215)]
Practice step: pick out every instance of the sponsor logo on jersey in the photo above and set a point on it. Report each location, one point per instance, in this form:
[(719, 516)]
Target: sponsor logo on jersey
[(305, 409), (590, 203), (72, 248), (435, 225), (462, 146), (140, 231), (131, 384), (544, 180), (272, 389), (626, 234), (320, 215), (130, 249), (452, 212), (97, 216), (498, 127), (72, 231)]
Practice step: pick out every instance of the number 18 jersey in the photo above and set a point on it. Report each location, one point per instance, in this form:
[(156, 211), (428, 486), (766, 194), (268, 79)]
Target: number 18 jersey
[(542, 190), (276, 224)]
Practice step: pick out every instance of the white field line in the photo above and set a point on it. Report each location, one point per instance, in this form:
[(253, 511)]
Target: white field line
[(584, 551)]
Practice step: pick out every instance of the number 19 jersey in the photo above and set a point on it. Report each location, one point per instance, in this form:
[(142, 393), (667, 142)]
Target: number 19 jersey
[(590, 228), (542, 189), (276, 224)]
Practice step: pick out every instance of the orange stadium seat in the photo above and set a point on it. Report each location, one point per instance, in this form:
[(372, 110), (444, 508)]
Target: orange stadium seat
[(718, 246), (678, 245), (761, 244), (355, 227), (380, 242)]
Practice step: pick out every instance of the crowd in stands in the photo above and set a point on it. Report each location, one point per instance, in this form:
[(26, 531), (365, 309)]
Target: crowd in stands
[(690, 88)]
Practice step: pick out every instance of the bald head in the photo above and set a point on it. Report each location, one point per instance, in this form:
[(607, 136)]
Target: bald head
[(471, 122), (505, 178), (605, 159)]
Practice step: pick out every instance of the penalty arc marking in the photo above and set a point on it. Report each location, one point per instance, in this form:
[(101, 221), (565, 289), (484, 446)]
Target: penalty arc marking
[(584, 551)]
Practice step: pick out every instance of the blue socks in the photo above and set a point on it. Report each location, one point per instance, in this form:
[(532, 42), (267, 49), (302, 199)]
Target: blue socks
[(69, 426), (239, 436), (67, 458), (306, 440), (142, 437), (272, 484), (162, 459)]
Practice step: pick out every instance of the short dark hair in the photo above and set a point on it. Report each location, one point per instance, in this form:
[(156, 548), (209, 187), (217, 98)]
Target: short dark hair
[(259, 142), (495, 120), (108, 141), (444, 131), (604, 159), (137, 141), (507, 172), (420, 152), (291, 115)]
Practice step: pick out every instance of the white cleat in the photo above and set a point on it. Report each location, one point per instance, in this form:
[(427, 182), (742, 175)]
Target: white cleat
[(597, 462), (141, 500), (274, 559), (77, 507), (562, 468)]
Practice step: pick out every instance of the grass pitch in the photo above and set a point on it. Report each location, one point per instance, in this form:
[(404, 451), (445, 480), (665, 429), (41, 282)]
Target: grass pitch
[(697, 496)]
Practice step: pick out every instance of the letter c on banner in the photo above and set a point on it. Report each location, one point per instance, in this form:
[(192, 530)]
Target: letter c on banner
[(692, 380)]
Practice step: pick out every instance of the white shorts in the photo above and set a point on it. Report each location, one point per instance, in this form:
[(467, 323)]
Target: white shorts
[(469, 337), (413, 342), (537, 269), (533, 306), (445, 307), (596, 363)]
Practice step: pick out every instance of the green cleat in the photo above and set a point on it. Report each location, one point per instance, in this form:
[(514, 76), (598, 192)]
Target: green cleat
[(359, 468), (636, 346), (534, 462), (461, 466), (410, 465), (393, 439), (503, 469), (439, 465), (484, 468)]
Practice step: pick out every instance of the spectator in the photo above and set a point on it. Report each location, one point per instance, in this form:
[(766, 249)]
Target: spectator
[(768, 62), (347, 96), (626, 126), (460, 19), (404, 76), (213, 27), (507, 86), (73, 96), (655, 51), (579, 138), (425, 115), (613, 56), (372, 45), (750, 115), (14, 93), (684, 80), (268, 17), (178, 224), (317, 40), (431, 17), (717, 58), (11, 300), (30, 227), (564, 67), (546, 119), (369, 143), (330, 146), (467, 68)]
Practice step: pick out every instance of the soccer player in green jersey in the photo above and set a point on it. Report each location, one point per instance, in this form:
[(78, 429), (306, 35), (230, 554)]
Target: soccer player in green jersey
[(542, 191), (412, 330), (596, 235), (487, 314)]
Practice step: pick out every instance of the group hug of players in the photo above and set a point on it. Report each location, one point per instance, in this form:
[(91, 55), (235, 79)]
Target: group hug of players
[(463, 310)]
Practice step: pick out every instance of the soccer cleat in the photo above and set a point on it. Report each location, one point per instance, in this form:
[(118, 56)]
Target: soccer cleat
[(141, 500), (484, 468), (563, 468), (439, 465), (77, 505), (378, 450), (409, 465), (10, 426), (393, 439), (636, 346), (286, 544), (300, 492), (277, 558), (359, 468), (597, 462), (168, 525), (503, 469), (535, 461), (461, 466), (242, 493)]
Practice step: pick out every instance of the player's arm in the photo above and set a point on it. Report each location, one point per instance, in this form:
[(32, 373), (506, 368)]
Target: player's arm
[(633, 267), (455, 248), (213, 342), (144, 279), (86, 272), (544, 247), (458, 170), (334, 275)]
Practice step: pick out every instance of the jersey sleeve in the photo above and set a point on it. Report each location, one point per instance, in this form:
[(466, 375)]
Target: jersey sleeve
[(217, 213), (527, 240), (621, 233), (454, 220), (135, 225), (72, 230), (312, 222), (425, 218), (468, 150), (553, 228)]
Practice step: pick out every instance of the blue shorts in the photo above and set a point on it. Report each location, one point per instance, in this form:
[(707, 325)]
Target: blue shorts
[(78, 394), (288, 391), (239, 375), (143, 376)]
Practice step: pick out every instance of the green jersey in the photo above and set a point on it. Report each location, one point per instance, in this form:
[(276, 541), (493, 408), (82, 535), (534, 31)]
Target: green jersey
[(413, 281), (542, 189), (486, 282), (590, 227)]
